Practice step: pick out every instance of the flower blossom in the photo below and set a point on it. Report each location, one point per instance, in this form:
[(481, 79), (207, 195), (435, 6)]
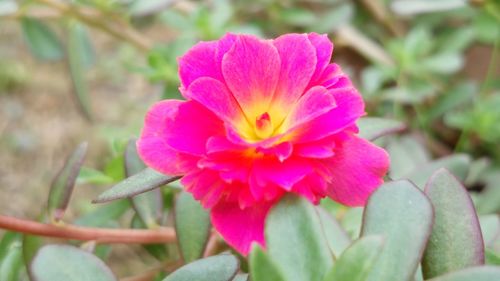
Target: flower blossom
[(262, 118)]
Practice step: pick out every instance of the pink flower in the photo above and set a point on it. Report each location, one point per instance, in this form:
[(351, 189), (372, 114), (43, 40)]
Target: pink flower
[(262, 118)]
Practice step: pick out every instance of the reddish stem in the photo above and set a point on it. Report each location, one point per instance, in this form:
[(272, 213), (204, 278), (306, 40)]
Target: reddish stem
[(100, 235)]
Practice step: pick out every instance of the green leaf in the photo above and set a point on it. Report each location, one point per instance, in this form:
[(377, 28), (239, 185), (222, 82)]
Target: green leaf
[(192, 225), (407, 154), (403, 215), (31, 244), (351, 222), (262, 268), (412, 7), (372, 128), (141, 8), (64, 182), (62, 263), (41, 40), (491, 257), (91, 176), (295, 241), (103, 215), (336, 236), (215, 268), (445, 63), (457, 164), (489, 200), (456, 241), (357, 261), (480, 273), (490, 228), (148, 205), (78, 62), (11, 257), (241, 277), (334, 18), (146, 180)]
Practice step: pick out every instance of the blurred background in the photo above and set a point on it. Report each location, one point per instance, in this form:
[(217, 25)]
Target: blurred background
[(87, 70)]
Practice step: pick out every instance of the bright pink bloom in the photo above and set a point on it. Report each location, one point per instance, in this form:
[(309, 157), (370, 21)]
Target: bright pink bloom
[(262, 118)]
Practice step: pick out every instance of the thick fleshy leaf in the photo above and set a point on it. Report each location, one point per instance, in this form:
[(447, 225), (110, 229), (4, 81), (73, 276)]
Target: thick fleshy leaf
[(456, 241), (489, 200), (62, 262), (192, 225), (403, 215), (480, 273), (241, 277), (407, 154), (148, 205), (372, 128), (104, 214), (295, 241), (215, 268), (458, 164), (336, 236), (41, 40), (490, 228), (262, 268), (64, 182), (357, 261), (11, 256), (146, 180), (31, 244)]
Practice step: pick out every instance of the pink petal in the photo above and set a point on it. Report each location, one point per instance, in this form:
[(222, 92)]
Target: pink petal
[(215, 96), (251, 70), (298, 62), (316, 102), (199, 61), (153, 148), (223, 46), (284, 174), (241, 227), (356, 170), (324, 49), (189, 126), (350, 107)]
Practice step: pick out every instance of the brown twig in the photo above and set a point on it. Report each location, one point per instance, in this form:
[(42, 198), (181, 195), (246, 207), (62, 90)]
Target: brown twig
[(212, 244), (100, 235)]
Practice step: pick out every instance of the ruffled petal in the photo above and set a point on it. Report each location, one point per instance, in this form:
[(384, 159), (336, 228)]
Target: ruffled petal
[(356, 170), (316, 102), (241, 227), (298, 62), (152, 146), (189, 126), (324, 49), (284, 174), (251, 71), (199, 61), (350, 107), (215, 96)]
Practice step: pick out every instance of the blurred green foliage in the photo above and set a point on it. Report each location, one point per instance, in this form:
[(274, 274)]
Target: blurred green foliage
[(432, 65)]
